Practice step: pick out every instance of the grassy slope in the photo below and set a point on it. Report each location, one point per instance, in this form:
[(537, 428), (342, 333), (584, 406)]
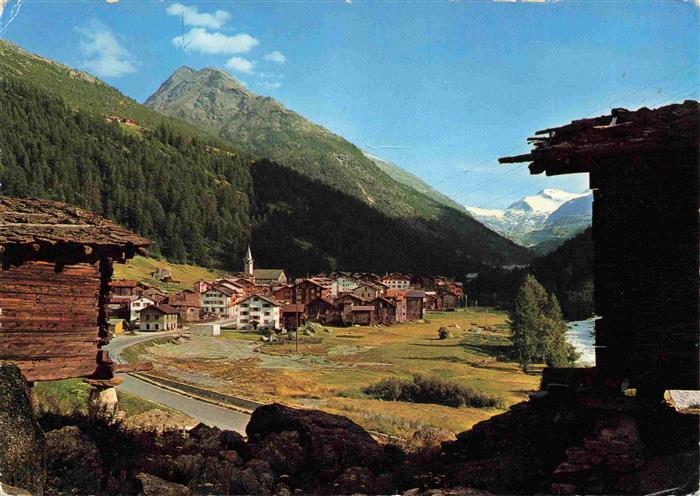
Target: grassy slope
[(406, 178), (69, 395), (141, 268), (86, 92), (352, 358)]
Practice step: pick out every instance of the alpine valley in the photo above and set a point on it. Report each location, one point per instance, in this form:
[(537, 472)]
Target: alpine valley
[(207, 167)]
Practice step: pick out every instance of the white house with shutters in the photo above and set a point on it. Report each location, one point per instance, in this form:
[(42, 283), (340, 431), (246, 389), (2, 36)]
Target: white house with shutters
[(219, 300), (257, 312)]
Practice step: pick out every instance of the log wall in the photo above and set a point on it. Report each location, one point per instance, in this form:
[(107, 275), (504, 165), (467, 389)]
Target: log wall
[(645, 231), (50, 322)]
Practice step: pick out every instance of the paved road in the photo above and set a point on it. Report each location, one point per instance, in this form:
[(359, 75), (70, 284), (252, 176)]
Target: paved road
[(223, 418)]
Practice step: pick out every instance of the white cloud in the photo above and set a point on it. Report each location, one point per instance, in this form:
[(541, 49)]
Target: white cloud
[(102, 53), (192, 17), (240, 64), (271, 85), (276, 57), (199, 39)]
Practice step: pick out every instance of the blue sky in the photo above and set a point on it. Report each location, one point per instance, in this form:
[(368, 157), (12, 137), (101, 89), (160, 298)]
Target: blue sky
[(439, 88)]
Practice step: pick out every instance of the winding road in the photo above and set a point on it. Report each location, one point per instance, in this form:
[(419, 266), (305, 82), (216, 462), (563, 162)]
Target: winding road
[(208, 413)]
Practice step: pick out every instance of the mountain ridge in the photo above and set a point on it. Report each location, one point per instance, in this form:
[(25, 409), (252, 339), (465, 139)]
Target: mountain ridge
[(542, 221), (202, 199), (216, 101)]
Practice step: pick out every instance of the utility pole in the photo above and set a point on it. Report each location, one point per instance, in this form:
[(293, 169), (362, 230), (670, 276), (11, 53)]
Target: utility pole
[(487, 317), (296, 311)]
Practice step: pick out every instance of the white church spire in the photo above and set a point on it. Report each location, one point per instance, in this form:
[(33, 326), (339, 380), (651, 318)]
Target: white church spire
[(248, 263)]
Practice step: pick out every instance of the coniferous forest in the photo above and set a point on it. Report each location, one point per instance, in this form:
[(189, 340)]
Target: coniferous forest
[(203, 204), (192, 201)]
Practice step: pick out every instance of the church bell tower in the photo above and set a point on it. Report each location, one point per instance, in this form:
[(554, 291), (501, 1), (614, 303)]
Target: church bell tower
[(248, 263)]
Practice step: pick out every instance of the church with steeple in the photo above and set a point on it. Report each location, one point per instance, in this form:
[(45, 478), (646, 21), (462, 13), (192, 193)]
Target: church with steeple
[(273, 277)]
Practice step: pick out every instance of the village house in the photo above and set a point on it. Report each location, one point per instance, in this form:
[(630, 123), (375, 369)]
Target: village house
[(369, 291), (362, 315), (123, 287), (257, 312), (348, 299), (384, 310), (399, 298), (397, 281), (220, 301), (345, 282), (136, 304), (307, 290), (158, 318), (293, 315), (201, 286), (450, 295), (320, 310), (57, 264), (327, 282), (187, 303), (423, 281), (415, 305), (283, 294)]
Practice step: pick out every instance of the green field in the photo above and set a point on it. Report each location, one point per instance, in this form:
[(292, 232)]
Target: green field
[(332, 370)]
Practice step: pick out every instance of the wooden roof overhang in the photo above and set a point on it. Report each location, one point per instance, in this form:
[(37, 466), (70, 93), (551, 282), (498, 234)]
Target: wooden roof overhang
[(587, 144), (42, 230)]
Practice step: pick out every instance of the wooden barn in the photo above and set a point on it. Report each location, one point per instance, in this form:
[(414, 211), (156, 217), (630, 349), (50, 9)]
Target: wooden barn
[(54, 286), (643, 168)]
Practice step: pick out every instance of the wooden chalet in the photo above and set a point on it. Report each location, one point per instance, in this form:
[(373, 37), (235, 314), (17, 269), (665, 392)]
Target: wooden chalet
[(283, 294), (415, 304), (123, 287), (362, 315), (384, 310), (293, 315), (308, 290), (322, 310), (643, 168), (54, 286)]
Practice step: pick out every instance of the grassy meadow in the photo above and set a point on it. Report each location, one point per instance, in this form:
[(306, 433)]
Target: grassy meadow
[(141, 268), (331, 370)]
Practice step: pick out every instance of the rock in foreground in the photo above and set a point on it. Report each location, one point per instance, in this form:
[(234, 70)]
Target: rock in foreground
[(22, 458)]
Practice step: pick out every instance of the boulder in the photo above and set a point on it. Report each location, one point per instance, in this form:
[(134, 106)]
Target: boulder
[(73, 462), (355, 480), (282, 451), (150, 485), (430, 438), (22, 450), (329, 443)]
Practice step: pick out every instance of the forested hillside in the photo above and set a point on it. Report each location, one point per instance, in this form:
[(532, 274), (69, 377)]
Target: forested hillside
[(567, 272), (306, 226), (217, 102), (192, 202), (197, 198)]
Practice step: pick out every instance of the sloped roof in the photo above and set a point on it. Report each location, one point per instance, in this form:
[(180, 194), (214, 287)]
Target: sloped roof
[(123, 283), (40, 229), (269, 300), (294, 308), (162, 308), (587, 144), (272, 274)]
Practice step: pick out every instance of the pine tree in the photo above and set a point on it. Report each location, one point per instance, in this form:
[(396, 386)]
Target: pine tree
[(538, 330)]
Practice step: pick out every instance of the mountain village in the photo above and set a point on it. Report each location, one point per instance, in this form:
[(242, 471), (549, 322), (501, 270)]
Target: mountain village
[(264, 299)]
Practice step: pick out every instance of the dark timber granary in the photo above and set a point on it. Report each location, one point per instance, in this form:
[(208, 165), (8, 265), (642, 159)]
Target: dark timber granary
[(54, 283), (643, 168)]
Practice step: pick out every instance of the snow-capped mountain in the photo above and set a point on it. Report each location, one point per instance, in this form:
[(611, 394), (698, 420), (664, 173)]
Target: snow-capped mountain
[(550, 217)]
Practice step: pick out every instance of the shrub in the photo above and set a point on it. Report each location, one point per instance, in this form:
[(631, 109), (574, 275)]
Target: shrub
[(444, 333), (423, 389)]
